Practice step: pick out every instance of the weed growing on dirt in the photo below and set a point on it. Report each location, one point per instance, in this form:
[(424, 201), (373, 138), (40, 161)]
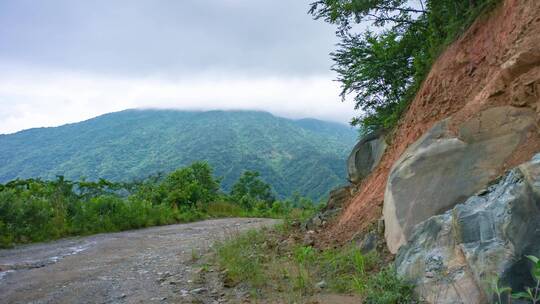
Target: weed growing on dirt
[(195, 255), (273, 264), (386, 287), (242, 259)]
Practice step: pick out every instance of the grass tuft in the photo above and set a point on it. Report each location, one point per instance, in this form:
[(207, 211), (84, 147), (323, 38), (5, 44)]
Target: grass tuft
[(273, 265)]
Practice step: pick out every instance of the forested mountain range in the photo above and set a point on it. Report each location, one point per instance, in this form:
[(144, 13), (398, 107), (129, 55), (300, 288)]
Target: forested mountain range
[(307, 155)]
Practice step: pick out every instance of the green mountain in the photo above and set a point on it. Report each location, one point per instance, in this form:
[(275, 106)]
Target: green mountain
[(305, 155)]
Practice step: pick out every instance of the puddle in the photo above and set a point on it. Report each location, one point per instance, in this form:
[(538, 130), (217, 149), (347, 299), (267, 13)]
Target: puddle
[(81, 248), (71, 251), (3, 274), (31, 264)]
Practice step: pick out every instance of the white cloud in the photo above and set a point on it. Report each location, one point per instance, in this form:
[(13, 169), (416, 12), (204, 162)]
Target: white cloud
[(35, 98)]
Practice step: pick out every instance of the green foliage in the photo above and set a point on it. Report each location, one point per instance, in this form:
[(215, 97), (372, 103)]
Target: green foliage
[(387, 288), (36, 210), (499, 290), (191, 185), (225, 209), (250, 190), (378, 69), (303, 257), (378, 12), (305, 155), (262, 261), (384, 69), (531, 294), (347, 268), (242, 258)]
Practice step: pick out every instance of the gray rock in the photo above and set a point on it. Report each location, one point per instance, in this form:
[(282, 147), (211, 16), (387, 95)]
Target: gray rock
[(320, 219), (369, 243), (442, 169), (313, 223), (321, 285), (338, 197), (309, 238), (365, 156), (317, 221), (453, 257), (198, 290)]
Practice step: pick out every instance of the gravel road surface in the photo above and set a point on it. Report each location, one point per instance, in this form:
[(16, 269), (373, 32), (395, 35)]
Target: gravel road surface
[(153, 265)]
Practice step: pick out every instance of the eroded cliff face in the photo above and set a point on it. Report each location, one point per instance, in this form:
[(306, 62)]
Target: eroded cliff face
[(495, 64), (443, 167), (456, 257)]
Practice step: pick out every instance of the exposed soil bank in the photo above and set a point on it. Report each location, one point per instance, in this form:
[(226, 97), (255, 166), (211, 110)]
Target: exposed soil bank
[(495, 63)]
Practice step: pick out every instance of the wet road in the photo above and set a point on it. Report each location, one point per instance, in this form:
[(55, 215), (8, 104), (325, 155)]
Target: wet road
[(151, 265)]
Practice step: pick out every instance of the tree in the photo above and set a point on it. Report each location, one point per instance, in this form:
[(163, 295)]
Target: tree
[(378, 70), (190, 185), (384, 66), (250, 188), (376, 12), (89, 189)]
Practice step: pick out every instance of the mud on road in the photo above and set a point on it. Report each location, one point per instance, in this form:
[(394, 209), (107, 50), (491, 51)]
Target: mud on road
[(153, 265)]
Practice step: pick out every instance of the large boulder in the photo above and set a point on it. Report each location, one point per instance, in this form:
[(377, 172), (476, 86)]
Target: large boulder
[(447, 165), (453, 257), (365, 156)]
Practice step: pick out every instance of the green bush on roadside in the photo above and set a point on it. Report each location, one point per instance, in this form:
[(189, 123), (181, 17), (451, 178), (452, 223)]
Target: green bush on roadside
[(36, 210)]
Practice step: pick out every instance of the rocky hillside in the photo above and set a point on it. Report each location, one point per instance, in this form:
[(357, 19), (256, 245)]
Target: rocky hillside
[(453, 215), (292, 155)]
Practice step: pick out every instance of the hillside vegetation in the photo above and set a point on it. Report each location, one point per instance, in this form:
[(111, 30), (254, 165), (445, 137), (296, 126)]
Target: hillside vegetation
[(35, 210), (305, 156)]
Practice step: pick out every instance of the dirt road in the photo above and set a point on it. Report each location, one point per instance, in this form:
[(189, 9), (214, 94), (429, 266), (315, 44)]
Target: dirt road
[(153, 265)]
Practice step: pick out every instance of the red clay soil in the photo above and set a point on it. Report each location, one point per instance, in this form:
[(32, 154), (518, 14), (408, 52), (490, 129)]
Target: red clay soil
[(473, 74)]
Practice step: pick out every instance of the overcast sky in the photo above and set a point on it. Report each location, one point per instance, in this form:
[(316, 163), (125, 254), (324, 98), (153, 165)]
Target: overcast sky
[(64, 61)]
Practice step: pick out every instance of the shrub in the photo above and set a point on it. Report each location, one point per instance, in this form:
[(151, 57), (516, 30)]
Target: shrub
[(387, 288), (189, 186), (251, 190), (36, 210), (224, 209)]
